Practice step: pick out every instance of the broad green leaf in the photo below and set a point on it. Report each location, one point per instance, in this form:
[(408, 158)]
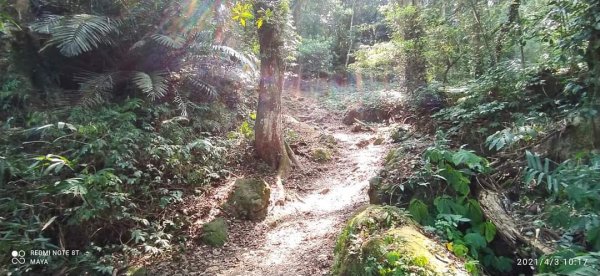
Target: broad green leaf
[(488, 229)]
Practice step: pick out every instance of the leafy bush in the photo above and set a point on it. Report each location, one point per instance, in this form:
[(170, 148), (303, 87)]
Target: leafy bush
[(576, 185), (315, 56)]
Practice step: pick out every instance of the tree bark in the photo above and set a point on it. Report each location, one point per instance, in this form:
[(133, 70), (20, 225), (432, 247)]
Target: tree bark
[(269, 143)]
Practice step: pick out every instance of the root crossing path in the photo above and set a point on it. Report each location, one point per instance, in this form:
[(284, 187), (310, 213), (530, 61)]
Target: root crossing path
[(299, 237)]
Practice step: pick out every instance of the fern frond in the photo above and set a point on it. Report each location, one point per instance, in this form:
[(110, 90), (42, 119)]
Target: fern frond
[(154, 85), (79, 33), (237, 55), (167, 41)]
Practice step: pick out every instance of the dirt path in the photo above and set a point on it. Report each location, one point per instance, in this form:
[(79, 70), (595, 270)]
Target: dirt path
[(297, 238)]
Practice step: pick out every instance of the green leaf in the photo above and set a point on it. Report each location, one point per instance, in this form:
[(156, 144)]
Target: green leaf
[(474, 211), (457, 180), (475, 241), (444, 205), (419, 211), (470, 159), (488, 229), (460, 250)]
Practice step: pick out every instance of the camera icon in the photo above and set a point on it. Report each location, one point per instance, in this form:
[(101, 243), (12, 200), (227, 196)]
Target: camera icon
[(18, 257)]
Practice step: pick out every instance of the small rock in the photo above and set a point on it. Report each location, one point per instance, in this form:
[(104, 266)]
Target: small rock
[(321, 155), (357, 128), (378, 141), (363, 143)]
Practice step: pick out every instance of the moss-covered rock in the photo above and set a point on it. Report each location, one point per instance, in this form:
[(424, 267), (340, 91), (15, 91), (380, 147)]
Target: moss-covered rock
[(137, 271), (215, 233), (249, 199), (321, 155), (382, 240), (328, 140)]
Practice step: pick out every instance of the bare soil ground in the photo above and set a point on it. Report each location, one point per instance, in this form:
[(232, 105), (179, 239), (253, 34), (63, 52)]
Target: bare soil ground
[(297, 238)]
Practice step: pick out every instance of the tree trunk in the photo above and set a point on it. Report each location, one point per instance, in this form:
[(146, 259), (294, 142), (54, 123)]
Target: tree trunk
[(351, 37), (268, 130), (593, 61), (219, 21), (513, 17)]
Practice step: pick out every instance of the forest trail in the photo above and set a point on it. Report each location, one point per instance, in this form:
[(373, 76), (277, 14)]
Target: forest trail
[(299, 237)]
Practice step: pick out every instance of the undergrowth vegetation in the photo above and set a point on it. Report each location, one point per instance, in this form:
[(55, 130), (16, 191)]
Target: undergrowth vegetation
[(100, 181)]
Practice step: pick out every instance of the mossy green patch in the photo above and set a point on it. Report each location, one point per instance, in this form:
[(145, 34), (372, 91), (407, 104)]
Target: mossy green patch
[(393, 157), (137, 271), (321, 155), (215, 233)]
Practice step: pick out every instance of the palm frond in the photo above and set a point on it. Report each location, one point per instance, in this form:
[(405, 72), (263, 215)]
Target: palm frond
[(154, 85), (79, 33), (237, 55), (95, 87), (45, 24), (205, 87), (182, 104), (138, 45), (167, 41)]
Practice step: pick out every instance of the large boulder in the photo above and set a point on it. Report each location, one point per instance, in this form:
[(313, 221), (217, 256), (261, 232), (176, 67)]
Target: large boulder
[(215, 233), (382, 240), (249, 199)]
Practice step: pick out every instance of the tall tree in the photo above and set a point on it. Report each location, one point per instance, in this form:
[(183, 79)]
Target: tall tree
[(268, 130), (407, 21)]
